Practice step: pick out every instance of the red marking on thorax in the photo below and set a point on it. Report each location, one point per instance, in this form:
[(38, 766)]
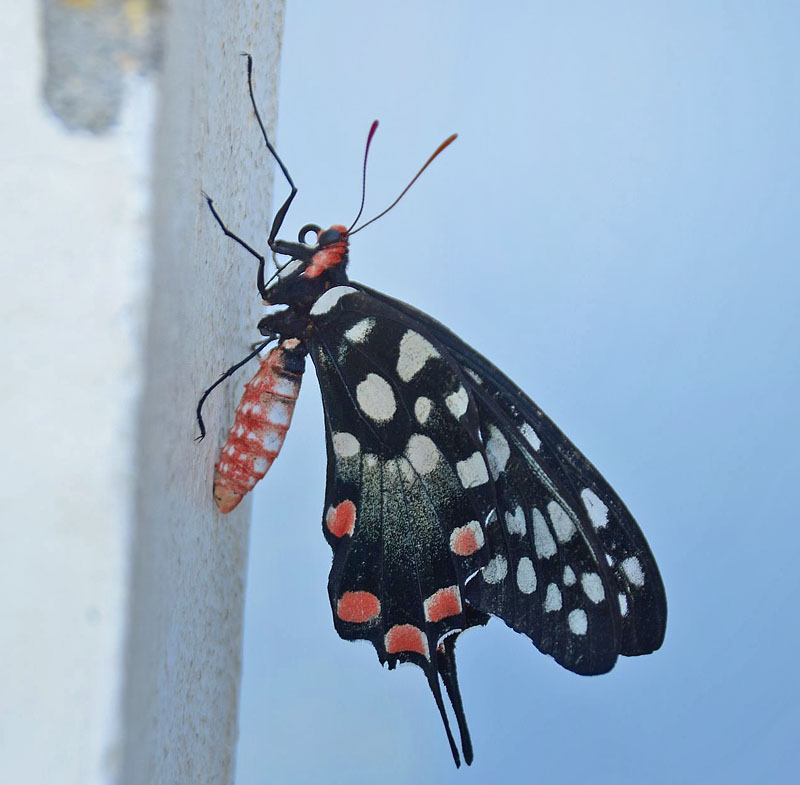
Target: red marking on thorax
[(445, 602), (341, 519), (259, 428), (406, 637), (329, 256), (358, 607)]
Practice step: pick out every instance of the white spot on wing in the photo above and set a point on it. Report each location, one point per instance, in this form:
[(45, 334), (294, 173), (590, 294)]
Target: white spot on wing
[(406, 470), (496, 570), (422, 409), (376, 399), (358, 332), (593, 586), (515, 523), (422, 453), (569, 576), (562, 523), (260, 465), (578, 623), (542, 539), (530, 436), (497, 452), (632, 568), (623, 604), (415, 351), (345, 445), (552, 600), (598, 512), (457, 402), (328, 299), (526, 576), (472, 471)]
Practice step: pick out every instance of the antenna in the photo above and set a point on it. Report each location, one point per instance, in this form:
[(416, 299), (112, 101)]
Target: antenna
[(439, 149), (373, 128)]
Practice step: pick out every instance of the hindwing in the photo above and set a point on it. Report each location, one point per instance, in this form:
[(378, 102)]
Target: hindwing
[(408, 491)]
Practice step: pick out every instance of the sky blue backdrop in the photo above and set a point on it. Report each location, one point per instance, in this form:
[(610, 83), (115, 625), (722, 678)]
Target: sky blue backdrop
[(616, 228)]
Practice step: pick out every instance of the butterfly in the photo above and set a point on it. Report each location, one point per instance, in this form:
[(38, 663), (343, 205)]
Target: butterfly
[(450, 496)]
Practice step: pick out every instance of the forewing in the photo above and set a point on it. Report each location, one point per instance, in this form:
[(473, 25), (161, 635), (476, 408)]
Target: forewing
[(568, 566)]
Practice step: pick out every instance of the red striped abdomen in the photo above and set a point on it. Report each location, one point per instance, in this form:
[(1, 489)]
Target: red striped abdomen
[(259, 428)]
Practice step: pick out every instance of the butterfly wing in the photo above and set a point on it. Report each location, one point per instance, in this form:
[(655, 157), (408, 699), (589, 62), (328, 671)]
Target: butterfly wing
[(406, 529), (567, 502), (451, 496)]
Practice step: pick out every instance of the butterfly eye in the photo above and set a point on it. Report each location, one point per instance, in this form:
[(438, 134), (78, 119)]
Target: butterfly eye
[(306, 230), (329, 237)]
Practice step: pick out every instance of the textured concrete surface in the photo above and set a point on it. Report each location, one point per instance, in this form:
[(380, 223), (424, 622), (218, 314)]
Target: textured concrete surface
[(122, 588)]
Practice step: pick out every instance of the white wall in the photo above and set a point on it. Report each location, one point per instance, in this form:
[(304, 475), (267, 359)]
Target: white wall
[(121, 591)]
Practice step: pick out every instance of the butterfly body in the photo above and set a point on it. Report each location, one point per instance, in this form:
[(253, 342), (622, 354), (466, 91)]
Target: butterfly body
[(451, 497), (260, 424)]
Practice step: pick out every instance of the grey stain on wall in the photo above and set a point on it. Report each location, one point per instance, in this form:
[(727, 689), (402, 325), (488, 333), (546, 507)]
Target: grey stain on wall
[(90, 47)]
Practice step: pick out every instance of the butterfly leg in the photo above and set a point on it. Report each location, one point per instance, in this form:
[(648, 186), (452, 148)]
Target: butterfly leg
[(281, 214), (232, 370), (262, 290)]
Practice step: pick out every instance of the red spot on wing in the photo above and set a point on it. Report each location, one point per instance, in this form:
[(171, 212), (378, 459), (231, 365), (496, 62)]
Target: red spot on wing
[(406, 637), (358, 607), (443, 603), (341, 519), (466, 540)]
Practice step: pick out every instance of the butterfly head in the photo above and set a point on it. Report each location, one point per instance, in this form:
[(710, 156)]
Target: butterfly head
[(319, 260), (332, 245)]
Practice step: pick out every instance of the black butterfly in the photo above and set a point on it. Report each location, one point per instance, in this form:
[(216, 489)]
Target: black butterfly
[(450, 496)]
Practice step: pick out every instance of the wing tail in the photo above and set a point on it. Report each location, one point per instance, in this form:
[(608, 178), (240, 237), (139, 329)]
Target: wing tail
[(433, 682), (446, 665)]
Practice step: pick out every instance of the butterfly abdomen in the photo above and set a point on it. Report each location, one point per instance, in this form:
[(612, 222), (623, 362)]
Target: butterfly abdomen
[(262, 419)]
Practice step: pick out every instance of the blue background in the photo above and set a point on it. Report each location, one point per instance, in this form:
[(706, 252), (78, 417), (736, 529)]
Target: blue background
[(616, 228)]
